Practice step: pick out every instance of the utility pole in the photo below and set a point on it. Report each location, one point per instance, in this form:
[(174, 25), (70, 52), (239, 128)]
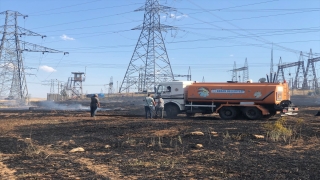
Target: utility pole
[(110, 89), (12, 71), (53, 83), (271, 64), (189, 74), (150, 52), (52, 86), (58, 87)]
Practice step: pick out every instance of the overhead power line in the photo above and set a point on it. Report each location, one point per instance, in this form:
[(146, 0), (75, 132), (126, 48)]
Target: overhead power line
[(63, 7), (87, 27), (252, 10), (83, 10), (232, 7), (72, 22), (257, 38)]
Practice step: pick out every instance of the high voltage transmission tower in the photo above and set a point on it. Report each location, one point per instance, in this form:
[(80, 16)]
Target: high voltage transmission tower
[(300, 73), (280, 73), (310, 77), (234, 73), (149, 63), (12, 71), (245, 72)]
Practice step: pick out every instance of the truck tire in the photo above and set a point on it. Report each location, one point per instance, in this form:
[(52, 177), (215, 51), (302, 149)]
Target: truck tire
[(252, 113), (228, 113), (172, 111)]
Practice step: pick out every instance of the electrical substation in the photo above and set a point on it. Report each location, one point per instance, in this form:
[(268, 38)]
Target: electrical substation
[(148, 66)]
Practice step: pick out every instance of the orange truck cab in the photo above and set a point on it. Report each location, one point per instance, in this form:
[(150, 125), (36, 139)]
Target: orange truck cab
[(230, 100)]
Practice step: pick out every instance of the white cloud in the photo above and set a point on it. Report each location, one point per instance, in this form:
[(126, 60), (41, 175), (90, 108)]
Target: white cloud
[(174, 16), (66, 38), (231, 55), (47, 68), (7, 65)]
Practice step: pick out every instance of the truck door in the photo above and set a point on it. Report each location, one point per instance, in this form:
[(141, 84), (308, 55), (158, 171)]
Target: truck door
[(166, 90)]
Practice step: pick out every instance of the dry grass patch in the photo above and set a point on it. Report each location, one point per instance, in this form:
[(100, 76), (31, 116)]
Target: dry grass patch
[(5, 172), (101, 169), (281, 130)]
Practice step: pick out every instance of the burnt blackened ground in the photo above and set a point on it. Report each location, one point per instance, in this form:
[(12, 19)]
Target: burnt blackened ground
[(122, 144)]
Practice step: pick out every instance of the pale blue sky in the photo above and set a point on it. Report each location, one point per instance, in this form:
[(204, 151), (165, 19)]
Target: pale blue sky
[(212, 35)]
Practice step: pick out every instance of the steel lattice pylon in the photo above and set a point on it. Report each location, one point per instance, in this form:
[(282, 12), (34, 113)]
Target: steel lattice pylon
[(280, 72), (12, 76), (149, 63), (234, 72), (12, 71), (245, 72), (298, 80), (310, 77)]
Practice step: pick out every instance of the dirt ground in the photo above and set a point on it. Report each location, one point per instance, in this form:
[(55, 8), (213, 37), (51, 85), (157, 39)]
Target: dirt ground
[(119, 143)]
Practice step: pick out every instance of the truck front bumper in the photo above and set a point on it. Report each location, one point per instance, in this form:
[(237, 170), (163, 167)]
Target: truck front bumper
[(290, 111)]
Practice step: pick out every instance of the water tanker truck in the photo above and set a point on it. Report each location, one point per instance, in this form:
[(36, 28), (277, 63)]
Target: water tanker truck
[(231, 99)]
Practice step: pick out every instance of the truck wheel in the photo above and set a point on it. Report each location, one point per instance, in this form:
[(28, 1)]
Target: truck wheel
[(228, 112), (252, 113), (172, 111)]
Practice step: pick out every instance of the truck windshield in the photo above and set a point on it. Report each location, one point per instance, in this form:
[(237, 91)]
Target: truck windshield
[(160, 89)]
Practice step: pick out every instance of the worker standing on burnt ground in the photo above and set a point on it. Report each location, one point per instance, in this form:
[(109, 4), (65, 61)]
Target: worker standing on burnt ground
[(160, 107), (95, 103), (148, 106)]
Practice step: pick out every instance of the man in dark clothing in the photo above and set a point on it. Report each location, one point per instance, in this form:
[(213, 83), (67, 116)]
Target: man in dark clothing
[(94, 105)]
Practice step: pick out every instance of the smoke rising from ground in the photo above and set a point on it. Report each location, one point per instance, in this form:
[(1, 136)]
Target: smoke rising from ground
[(57, 106), (305, 100)]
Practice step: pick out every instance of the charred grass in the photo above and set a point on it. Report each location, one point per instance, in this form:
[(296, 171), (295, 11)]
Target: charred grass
[(36, 145)]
